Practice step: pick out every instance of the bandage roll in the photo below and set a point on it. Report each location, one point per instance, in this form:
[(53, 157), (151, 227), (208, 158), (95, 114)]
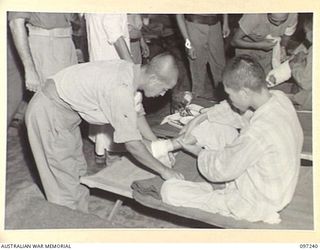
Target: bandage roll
[(161, 149)]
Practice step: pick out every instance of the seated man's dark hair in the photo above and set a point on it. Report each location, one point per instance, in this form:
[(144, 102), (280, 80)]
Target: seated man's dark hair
[(244, 71)]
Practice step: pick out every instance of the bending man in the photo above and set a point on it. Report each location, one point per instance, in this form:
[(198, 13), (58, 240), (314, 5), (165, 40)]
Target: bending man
[(100, 92)]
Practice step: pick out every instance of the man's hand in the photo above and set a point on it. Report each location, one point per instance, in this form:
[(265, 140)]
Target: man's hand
[(169, 173), (225, 30), (32, 80), (187, 139), (193, 149), (145, 52), (266, 44), (191, 53)]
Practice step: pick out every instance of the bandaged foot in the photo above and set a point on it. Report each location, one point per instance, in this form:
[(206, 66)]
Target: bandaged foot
[(161, 149), (279, 74)]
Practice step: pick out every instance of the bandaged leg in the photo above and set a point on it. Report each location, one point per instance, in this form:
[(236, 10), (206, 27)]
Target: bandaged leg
[(199, 195)]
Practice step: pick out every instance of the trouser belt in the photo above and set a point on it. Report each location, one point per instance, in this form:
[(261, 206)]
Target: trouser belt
[(57, 32), (201, 19)]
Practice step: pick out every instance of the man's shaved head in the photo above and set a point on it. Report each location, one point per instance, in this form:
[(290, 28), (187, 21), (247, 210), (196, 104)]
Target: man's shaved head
[(165, 68)]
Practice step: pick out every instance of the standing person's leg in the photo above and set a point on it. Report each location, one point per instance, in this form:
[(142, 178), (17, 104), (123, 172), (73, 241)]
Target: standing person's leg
[(217, 58), (56, 144), (136, 52), (198, 35)]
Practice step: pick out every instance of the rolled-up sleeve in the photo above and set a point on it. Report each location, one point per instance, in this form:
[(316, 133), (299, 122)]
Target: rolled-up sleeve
[(229, 163), (15, 15), (223, 114), (114, 26), (122, 114), (248, 23)]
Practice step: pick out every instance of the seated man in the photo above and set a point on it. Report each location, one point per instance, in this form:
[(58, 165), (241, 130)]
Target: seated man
[(209, 135), (300, 68), (101, 92), (260, 167)]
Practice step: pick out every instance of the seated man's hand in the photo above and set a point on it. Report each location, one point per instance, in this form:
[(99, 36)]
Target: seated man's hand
[(192, 148), (169, 173), (188, 139), (266, 44)]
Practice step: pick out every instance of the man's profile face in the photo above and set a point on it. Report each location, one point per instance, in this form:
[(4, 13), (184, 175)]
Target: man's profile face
[(277, 18), (238, 98), (155, 88), (159, 87)]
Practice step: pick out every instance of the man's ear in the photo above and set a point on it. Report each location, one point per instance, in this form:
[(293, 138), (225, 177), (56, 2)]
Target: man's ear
[(152, 79), (245, 92)]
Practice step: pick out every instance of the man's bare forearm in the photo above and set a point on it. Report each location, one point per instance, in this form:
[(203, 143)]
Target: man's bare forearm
[(145, 129), (123, 50), (20, 38), (141, 153)]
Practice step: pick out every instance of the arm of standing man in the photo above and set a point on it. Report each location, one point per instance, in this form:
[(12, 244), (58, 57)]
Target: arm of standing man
[(145, 129), (20, 38), (123, 50), (225, 27), (115, 27), (239, 41), (184, 31), (141, 153)]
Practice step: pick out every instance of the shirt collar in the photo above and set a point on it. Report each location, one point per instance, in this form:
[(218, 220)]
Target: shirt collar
[(265, 107)]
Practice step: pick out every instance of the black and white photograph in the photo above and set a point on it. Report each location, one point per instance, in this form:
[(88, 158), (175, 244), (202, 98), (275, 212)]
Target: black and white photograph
[(159, 120)]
